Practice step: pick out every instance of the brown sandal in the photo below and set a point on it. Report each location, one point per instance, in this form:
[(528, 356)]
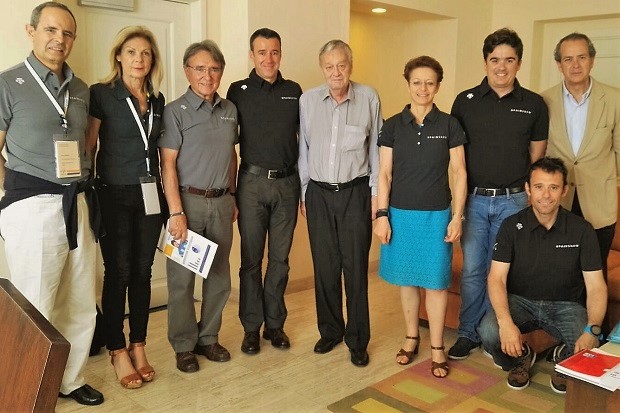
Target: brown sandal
[(146, 372), (439, 365), (131, 381), (408, 354)]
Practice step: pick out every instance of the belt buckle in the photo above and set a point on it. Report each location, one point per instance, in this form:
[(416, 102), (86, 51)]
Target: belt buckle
[(336, 187), (493, 191), (270, 172)]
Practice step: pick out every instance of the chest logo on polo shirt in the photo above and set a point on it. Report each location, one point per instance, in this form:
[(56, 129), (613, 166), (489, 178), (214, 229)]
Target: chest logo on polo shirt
[(288, 97), (228, 119), (567, 245), (244, 87), (470, 95), (436, 137), (519, 226), (528, 112), (20, 80)]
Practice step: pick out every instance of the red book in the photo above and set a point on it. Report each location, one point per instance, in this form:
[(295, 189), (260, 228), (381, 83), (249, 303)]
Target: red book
[(594, 366)]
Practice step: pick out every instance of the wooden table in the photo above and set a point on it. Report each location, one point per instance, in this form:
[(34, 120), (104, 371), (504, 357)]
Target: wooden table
[(583, 397), (33, 355)]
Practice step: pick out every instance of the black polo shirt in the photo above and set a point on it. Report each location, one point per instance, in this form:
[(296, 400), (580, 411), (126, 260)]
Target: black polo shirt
[(499, 131), (547, 264), (268, 120), (420, 158), (121, 159)]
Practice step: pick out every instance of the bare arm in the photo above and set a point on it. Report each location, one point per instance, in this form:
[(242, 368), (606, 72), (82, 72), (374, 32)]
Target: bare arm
[(92, 135), (177, 225), (537, 150), (232, 181), (509, 333), (382, 226), (2, 160), (596, 305), (459, 193)]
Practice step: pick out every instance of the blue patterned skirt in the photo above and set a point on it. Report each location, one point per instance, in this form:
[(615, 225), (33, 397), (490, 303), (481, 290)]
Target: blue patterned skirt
[(417, 254)]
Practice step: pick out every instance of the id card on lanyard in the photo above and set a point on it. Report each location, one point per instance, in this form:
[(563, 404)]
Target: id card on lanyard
[(148, 183), (66, 151)]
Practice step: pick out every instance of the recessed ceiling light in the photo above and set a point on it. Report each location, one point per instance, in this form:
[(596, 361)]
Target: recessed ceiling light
[(379, 10)]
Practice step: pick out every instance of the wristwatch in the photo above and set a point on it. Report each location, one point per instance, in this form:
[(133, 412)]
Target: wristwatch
[(595, 330)]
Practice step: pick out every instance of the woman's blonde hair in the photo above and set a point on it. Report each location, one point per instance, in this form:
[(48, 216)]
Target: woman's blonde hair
[(155, 75)]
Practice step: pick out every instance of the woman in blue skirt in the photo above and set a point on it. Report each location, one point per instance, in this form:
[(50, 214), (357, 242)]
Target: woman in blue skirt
[(415, 222)]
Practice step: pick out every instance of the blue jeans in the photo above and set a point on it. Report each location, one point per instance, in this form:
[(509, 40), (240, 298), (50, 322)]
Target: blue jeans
[(564, 320), (483, 217)]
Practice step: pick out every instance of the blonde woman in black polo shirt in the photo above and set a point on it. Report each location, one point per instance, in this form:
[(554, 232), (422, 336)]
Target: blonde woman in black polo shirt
[(415, 222), (125, 115)]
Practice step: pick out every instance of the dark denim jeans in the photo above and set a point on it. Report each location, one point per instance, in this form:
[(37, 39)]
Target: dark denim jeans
[(564, 320), (128, 251)]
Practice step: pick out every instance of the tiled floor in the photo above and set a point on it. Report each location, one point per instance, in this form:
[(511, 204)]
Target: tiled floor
[(294, 380)]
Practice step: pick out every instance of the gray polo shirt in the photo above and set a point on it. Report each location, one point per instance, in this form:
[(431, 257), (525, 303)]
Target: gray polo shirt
[(31, 121), (338, 142), (204, 135)]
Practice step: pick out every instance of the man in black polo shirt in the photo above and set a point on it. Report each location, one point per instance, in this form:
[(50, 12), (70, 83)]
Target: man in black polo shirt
[(506, 127), (267, 189), (546, 266)]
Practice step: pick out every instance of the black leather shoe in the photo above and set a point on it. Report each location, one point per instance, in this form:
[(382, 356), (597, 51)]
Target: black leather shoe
[(325, 345), (84, 395), (214, 352), (187, 362), (278, 337), (359, 358), (251, 342)]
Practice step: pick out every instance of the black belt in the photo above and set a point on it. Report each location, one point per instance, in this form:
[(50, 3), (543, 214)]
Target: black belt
[(268, 173), (340, 187), (207, 193), (497, 191)]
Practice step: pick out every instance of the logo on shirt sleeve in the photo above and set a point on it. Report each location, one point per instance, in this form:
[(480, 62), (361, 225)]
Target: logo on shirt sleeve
[(244, 87), (519, 226), (470, 95), (20, 80)]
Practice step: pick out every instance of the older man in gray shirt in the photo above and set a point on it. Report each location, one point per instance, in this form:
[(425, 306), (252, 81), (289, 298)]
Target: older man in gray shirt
[(338, 167), (199, 170)]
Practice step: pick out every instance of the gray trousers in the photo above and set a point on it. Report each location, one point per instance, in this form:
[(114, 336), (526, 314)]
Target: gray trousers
[(212, 218)]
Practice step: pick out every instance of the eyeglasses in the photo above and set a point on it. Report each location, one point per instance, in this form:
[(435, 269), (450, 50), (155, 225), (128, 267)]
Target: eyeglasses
[(428, 83), (204, 70)]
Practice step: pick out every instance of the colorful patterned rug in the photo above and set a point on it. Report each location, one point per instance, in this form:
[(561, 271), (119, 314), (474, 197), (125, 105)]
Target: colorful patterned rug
[(473, 385)]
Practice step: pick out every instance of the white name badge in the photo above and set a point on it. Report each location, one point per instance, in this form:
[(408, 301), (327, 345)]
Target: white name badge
[(67, 154), (149, 195)]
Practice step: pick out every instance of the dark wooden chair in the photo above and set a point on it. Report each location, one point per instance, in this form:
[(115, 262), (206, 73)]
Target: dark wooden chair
[(34, 355)]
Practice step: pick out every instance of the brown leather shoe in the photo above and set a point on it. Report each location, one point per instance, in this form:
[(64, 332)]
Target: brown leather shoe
[(214, 352), (187, 362)]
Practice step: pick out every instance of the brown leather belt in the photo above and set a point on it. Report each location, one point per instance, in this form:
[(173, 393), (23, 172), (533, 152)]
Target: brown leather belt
[(268, 173), (207, 193)]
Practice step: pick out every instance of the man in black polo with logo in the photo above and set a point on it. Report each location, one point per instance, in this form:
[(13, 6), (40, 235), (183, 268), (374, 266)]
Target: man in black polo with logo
[(546, 274), (506, 127), (267, 189)]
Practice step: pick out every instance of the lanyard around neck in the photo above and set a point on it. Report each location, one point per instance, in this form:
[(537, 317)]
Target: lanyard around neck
[(143, 133), (61, 112)]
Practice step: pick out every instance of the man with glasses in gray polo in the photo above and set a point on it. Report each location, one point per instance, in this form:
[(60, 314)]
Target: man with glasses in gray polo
[(199, 164)]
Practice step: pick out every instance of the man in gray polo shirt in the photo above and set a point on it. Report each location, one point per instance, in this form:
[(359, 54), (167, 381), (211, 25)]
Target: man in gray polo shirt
[(199, 164), (50, 248)]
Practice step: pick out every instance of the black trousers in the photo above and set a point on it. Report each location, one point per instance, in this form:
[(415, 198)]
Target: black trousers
[(340, 229), (605, 235), (267, 210), (128, 251)]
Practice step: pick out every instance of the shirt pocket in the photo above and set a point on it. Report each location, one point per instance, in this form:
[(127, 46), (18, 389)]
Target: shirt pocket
[(354, 138)]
